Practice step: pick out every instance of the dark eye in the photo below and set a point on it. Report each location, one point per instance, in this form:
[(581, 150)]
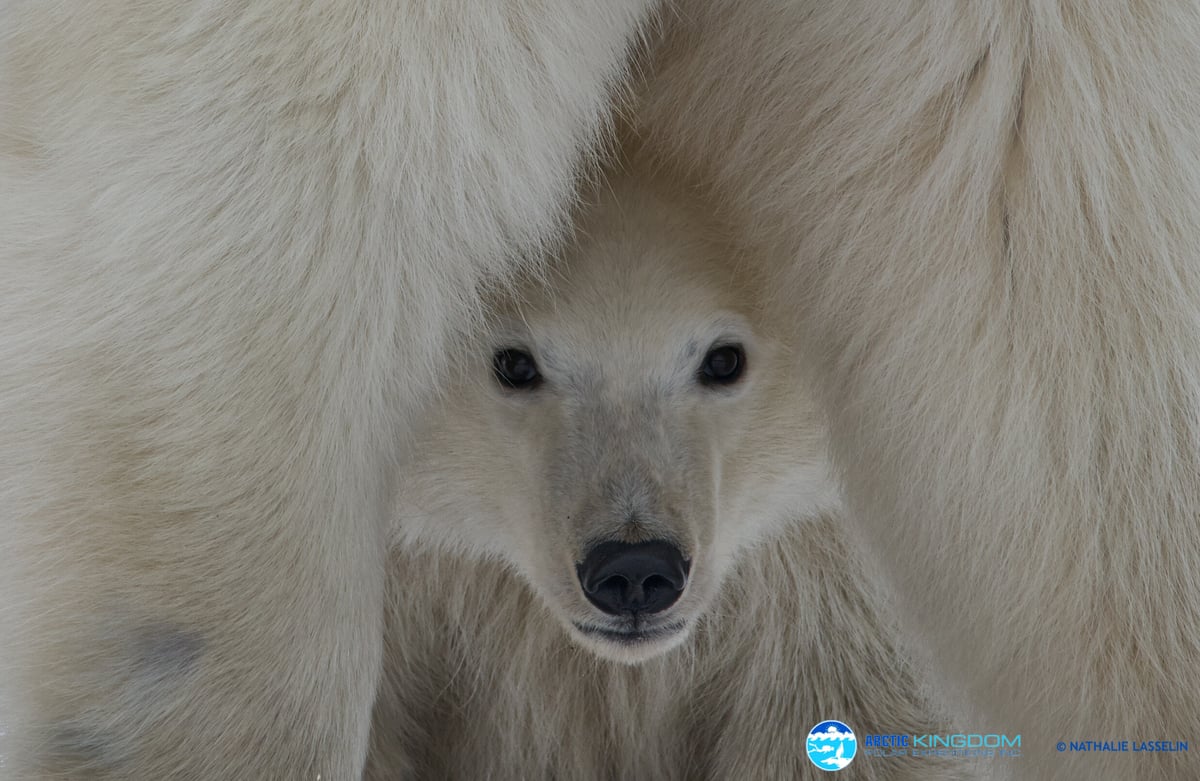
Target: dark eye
[(515, 369), (723, 365)]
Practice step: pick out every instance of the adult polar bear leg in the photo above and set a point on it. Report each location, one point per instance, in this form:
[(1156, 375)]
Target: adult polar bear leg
[(985, 215), (237, 236)]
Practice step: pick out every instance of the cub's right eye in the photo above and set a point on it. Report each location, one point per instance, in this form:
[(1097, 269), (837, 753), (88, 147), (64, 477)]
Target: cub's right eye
[(515, 369)]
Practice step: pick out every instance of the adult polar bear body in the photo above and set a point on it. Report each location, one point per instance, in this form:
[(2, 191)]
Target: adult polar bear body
[(238, 238), (986, 218), (498, 665), (237, 235)]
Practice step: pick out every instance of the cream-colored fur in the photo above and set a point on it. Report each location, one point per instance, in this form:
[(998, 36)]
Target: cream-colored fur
[(482, 680), (237, 239), (985, 219), (486, 672)]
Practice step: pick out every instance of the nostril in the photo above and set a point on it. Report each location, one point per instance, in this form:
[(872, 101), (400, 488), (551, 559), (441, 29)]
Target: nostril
[(631, 578), (657, 582), (615, 583), (612, 590)]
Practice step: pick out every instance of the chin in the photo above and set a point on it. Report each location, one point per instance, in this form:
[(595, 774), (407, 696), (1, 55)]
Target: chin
[(630, 641)]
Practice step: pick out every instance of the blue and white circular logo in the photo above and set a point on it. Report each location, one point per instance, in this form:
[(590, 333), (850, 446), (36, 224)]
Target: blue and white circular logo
[(831, 745)]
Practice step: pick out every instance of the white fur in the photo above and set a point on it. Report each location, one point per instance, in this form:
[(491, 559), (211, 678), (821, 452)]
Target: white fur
[(238, 240), (483, 682), (487, 675), (984, 216), (235, 236)]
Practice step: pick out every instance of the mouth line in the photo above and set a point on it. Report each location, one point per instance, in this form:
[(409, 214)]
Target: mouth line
[(631, 637)]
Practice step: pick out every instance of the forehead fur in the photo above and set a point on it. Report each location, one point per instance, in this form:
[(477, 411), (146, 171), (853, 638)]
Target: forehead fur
[(643, 267)]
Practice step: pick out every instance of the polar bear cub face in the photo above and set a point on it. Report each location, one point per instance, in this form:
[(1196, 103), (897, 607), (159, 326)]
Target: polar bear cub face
[(627, 431)]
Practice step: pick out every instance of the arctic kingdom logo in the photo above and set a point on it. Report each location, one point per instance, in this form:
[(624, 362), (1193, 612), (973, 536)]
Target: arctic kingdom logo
[(831, 745)]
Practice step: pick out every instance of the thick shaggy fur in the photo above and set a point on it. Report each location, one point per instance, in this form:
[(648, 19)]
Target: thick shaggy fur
[(237, 240), (234, 237), (483, 682), (984, 217), (486, 675)]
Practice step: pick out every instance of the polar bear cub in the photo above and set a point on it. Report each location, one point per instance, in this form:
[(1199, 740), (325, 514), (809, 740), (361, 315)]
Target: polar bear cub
[(625, 433), (618, 548)]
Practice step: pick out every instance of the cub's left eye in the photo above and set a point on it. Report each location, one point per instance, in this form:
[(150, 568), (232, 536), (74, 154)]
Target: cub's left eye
[(723, 365), (515, 369)]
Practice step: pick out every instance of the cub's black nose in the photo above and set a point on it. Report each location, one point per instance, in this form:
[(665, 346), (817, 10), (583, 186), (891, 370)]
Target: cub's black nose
[(643, 577)]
